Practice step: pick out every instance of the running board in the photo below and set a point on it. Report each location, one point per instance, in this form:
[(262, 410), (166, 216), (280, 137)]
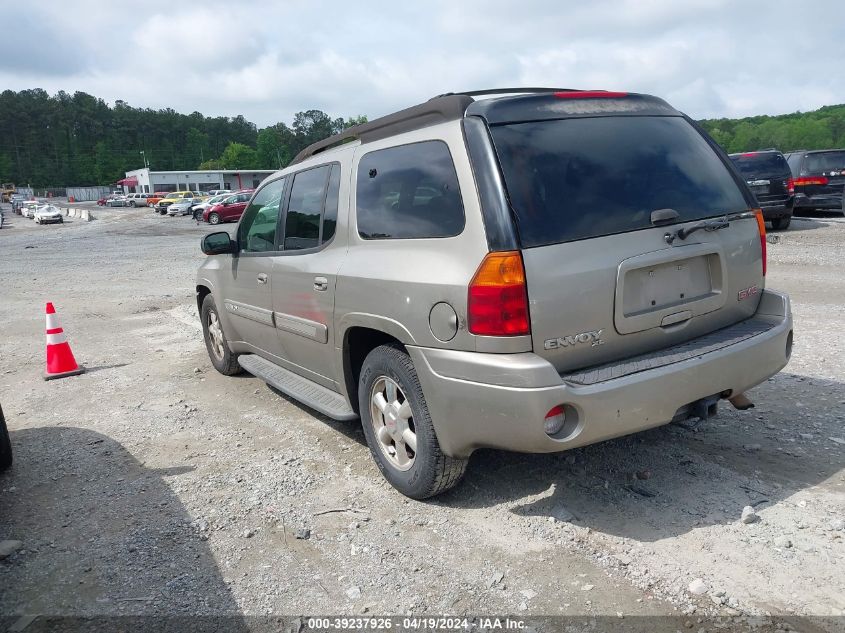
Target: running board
[(309, 393)]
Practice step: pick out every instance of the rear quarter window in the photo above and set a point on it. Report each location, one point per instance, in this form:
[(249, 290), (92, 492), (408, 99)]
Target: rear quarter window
[(409, 191), (573, 179)]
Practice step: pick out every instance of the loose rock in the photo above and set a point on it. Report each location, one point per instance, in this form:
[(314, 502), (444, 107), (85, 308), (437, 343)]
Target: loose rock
[(748, 515), (354, 592), (697, 587), (7, 548)]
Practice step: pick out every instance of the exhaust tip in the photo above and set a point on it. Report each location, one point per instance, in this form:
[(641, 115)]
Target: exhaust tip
[(741, 402)]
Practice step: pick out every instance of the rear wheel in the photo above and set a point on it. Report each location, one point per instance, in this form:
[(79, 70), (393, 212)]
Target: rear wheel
[(398, 426), (781, 224), (221, 356), (214, 218)]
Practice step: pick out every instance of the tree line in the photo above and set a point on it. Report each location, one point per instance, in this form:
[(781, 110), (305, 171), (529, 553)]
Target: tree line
[(819, 129), (79, 140)]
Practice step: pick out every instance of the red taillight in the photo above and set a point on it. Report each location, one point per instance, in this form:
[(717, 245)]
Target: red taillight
[(809, 180), (748, 155), (790, 185), (498, 302), (761, 227), (590, 94)]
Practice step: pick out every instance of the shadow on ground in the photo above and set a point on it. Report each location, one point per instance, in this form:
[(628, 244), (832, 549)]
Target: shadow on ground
[(103, 537), (687, 478)]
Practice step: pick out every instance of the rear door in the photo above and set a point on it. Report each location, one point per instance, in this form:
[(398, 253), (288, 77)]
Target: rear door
[(305, 273), (604, 282), (824, 173), (235, 208)]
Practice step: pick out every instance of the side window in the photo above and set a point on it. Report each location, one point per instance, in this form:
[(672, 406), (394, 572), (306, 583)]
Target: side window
[(257, 230), (307, 197), (410, 191), (330, 213)]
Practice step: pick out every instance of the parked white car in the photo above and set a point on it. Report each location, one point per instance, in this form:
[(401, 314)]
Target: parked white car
[(183, 207), (202, 206), (29, 207), (48, 214)]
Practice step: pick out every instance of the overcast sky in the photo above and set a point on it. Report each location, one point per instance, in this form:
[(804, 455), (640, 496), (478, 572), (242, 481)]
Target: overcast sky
[(268, 60)]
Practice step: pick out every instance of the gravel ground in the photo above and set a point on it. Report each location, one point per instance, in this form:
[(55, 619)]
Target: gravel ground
[(152, 485)]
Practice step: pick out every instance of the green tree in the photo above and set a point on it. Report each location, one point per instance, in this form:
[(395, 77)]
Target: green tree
[(239, 156)]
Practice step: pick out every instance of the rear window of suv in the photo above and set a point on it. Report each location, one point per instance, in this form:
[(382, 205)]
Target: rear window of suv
[(823, 162), (575, 179), (760, 164)]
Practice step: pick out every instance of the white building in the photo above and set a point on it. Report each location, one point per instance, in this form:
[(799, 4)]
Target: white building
[(147, 181)]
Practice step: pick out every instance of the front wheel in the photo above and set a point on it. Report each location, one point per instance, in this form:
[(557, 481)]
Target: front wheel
[(781, 224), (214, 218), (398, 426), (221, 356), (132, 204)]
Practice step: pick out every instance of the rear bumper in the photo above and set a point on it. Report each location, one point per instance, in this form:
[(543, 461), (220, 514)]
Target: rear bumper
[(481, 400), (831, 202), (777, 208)]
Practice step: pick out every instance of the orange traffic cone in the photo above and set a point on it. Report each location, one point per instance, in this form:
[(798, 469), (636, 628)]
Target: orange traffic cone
[(60, 360)]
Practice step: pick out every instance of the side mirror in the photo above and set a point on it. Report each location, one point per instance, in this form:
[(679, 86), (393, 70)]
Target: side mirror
[(218, 244), (226, 204)]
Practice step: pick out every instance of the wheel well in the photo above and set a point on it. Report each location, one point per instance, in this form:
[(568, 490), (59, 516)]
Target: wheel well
[(202, 291), (358, 342)]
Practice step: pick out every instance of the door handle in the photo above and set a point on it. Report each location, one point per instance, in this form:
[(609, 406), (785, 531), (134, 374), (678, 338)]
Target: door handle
[(262, 278), (321, 284)]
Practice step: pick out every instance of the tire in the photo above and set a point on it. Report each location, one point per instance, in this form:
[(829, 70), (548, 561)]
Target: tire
[(221, 356), (214, 218), (132, 204), (426, 473), (781, 224), (5, 444)]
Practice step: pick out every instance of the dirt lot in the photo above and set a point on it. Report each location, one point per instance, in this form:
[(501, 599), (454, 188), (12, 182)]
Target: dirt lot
[(153, 485)]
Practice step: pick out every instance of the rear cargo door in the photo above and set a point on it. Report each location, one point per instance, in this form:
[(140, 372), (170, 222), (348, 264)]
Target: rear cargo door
[(826, 173), (605, 281), (767, 175)]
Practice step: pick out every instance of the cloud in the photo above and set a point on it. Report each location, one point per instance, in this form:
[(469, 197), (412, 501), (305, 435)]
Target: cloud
[(31, 46), (268, 60)]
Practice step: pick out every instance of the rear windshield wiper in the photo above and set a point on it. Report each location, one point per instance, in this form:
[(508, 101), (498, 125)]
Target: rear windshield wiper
[(707, 225)]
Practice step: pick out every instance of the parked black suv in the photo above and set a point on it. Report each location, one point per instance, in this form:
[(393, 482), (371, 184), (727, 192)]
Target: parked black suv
[(770, 180), (819, 178)]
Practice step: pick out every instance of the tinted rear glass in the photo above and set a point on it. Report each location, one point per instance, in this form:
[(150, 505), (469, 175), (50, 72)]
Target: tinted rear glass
[(760, 164), (573, 179), (824, 162)]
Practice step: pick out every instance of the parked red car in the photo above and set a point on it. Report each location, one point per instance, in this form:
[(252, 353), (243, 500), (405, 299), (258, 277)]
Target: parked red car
[(230, 210)]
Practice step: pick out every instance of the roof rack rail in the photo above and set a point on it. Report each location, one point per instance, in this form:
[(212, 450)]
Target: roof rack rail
[(446, 107), (436, 110)]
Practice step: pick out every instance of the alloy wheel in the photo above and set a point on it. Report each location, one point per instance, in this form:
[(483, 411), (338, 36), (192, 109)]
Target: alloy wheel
[(393, 423)]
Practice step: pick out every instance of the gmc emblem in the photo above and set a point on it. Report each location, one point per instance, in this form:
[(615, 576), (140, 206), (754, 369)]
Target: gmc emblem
[(742, 295)]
